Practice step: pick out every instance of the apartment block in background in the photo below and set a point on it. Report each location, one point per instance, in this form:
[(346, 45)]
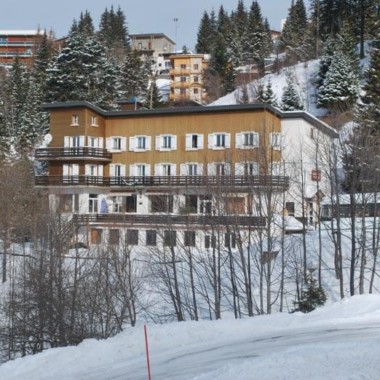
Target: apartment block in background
[(18, 43), (187, 78)]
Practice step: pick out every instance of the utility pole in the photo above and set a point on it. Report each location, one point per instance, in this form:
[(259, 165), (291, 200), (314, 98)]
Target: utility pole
[(175, 33)]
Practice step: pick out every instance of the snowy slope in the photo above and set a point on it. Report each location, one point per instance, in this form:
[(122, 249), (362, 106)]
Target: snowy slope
[(304, 77), (339, 341)]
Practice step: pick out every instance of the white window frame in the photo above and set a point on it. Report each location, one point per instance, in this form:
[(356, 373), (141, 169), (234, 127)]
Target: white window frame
[(120, 147), (139, 170), (70, 170), (117, 170), (187, 169), (134, 143), (165, 169), (241, 168), (276, 140), (215, 140), (94, 142), (161, 142), (276, 168), (219, 168), (242, 137), (75, 120), (74, 141), (94, 121), (189, 141)]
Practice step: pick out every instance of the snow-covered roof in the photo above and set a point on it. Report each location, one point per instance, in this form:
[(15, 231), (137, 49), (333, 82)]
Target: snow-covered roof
[(20, 32)]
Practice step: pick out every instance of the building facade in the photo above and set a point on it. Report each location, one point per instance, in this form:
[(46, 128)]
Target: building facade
[(156, 46), (186, 76), (18, 43), (173, 175)]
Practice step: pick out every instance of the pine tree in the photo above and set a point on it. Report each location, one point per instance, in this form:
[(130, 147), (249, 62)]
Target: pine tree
[(85, 25), (135, 76), (259, 95), (370, 113), (325, 62), (113, 33), (293, 33), (268, 95), (290, 100), (340, 86), (312, 297), (82, 71), (238, 40), (223, 22), (256, 35), (206, 34)]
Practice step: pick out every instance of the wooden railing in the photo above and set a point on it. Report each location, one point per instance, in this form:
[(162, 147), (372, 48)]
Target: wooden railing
[(171, 220), (228, 181), (80, 152)]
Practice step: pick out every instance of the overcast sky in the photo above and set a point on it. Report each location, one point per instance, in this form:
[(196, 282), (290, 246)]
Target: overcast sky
[(142, 16)]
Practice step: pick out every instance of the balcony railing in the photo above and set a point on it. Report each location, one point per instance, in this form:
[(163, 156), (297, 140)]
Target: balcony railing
[(172, 220), (69, 153), (227, 181)]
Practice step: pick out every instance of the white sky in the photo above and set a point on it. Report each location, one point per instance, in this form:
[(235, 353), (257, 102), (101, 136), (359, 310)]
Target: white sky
[(340, 342), (144, 16)]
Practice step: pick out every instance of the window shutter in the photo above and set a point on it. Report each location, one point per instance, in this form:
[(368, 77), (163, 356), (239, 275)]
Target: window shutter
[(65, 170), (75, 169), (132, 170), (147, 170), (101, 142), (228, 168), (200, 141), (158, 142), (81, 141), (100, 170), (228, 140), (211, 140), (188, 141), (112, 170), (200, 169), (173, 169), (87, 170), (148, 143), (256, 140), (66, 141), (174, 142), (239, 140), (183, 169), (239, 168), (132, 144), (211, 169), (123, 143), (122, 170), (109, 143), (157, 169)]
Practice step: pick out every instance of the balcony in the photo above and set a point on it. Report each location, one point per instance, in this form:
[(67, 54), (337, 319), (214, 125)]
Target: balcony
[(228, 182), (171, 220), (179, 72), (84, 153)]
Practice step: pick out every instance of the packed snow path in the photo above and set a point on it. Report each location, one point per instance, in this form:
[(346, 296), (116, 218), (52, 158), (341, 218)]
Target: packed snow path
[(339, 342), (281, 352)]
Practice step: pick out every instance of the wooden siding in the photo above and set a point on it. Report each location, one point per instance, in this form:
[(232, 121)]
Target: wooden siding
[(260, 121)]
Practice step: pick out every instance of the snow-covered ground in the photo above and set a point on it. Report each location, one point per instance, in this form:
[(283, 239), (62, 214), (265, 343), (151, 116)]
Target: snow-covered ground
[(339, 341), (303, 74)]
